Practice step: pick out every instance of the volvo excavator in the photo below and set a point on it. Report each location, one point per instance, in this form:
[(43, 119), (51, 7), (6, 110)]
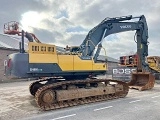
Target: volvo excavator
[(69, 78)]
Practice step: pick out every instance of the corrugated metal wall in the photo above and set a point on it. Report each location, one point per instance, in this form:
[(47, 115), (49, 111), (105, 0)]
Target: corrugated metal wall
[(10, 42)]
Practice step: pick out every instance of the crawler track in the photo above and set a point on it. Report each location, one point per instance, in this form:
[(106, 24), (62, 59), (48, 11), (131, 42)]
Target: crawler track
[(51, 96)]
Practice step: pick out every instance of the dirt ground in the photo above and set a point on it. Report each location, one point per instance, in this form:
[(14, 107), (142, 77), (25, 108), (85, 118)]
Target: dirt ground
[(16, 102)]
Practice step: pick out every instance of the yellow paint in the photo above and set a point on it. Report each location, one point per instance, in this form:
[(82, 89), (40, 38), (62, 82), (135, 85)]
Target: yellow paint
[(65, 62), (41, 48), (82, 64), (99, 66), (42, 58)]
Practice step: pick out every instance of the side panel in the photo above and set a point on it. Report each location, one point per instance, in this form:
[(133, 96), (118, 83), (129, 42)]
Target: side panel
[(45, 68), (80, 64), (99, 66), (41, 66), (43, 63), (18, 66), (42, 58), (41, 48), (65, 62)]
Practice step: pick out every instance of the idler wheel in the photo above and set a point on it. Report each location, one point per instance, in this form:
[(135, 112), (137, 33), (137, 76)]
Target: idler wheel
[(48, 96), (34, 87)]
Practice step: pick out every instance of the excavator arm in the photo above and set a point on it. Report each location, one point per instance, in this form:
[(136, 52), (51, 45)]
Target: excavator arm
[(142, 79), (116, 25)]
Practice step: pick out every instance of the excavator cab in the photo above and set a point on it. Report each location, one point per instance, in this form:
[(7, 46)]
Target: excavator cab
[(142, 81)]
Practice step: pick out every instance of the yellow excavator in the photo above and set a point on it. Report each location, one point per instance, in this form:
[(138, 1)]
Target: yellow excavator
[(68, 78), (154, 64)]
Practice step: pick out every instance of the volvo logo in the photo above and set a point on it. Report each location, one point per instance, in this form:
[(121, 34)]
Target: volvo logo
[(125, 26)]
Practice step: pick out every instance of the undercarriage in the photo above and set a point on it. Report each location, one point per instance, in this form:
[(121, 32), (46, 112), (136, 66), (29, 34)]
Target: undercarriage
[(51, 93)]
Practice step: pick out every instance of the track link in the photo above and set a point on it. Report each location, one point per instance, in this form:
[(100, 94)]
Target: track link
[(48, 93)]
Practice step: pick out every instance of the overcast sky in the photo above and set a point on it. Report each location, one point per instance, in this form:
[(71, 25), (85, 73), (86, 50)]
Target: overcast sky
[(67, 22)]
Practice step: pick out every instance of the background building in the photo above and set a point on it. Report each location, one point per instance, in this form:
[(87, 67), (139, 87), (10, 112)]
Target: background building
[(8, 45)]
